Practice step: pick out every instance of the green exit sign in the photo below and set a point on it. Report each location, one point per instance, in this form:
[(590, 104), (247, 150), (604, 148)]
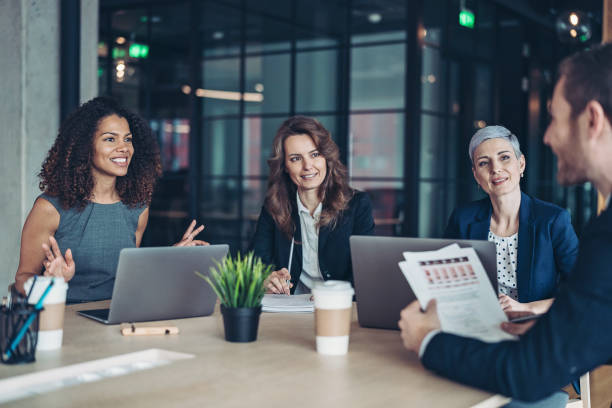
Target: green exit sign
[(466, 18), (139, 50)]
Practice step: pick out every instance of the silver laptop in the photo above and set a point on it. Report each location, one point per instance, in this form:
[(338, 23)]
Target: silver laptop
[(381, 290), (160, 284)]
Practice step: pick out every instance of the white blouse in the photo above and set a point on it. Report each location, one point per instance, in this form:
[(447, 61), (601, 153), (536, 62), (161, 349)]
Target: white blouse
[(507, 255), (311, 273)]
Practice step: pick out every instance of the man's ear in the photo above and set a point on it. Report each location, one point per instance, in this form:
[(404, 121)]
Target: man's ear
[(596, 119)]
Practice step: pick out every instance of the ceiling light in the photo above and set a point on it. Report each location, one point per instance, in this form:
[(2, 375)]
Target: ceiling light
[(573, 19), (374, 18), (573, 27)]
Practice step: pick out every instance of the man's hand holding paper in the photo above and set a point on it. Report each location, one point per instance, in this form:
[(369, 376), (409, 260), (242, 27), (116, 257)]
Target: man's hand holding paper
[(466, 302)]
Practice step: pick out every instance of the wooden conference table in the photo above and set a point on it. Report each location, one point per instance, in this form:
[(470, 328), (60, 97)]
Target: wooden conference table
[(280, 369)]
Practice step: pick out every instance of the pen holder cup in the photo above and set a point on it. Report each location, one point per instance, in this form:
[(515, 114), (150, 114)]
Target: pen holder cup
[(12, 320)]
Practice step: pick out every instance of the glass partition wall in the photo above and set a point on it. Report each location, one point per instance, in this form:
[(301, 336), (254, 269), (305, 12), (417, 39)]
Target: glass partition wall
[(401, 85)]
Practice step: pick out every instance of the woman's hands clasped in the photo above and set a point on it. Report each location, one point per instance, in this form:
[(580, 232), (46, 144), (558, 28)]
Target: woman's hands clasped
[(55, 264), (190, 234), (279, 282)]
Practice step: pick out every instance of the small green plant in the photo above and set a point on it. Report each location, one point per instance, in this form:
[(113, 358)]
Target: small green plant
[(239, 281)]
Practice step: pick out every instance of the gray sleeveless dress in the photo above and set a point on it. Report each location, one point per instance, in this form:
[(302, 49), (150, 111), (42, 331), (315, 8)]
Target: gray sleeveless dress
[(95, 235)]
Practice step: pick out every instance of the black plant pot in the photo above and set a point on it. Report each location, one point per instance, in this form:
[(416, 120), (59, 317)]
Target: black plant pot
[(241, 323)]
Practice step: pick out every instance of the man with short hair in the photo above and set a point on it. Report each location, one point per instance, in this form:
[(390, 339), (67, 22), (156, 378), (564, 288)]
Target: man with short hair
[(575, 336)]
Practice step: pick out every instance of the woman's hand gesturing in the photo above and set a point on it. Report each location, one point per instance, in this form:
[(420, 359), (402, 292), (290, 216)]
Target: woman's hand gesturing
[(55, 264)]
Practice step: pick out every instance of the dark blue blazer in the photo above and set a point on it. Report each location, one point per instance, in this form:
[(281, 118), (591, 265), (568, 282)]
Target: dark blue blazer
[(574, 337), (273, 247), (547, 243)]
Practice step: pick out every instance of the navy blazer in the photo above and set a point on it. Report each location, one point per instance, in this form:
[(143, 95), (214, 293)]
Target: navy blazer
[(273, 247), (547, 243), (574, 337)]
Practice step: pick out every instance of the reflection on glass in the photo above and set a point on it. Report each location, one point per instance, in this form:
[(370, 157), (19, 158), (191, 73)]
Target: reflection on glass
[(173, 138), (268, 75), (219, 199), (456, 150), (377, 76), (432, 211), (267, 34), (320, 19), (433, 80), (485, 26), (378, 37), (316, 81), (330, 122), (258, 136), (387, 204), (220, 29), (433, 147), (306, 39), (483, 96), (376, 145), (219, 154), (378, 21), (454, 89), (129, 24), (434, 20), (450, 200), (253, 196), (280, 9), (221, 75), (102, 75)]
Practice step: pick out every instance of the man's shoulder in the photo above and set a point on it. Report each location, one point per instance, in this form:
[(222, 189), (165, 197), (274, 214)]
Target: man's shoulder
[(601, 224)]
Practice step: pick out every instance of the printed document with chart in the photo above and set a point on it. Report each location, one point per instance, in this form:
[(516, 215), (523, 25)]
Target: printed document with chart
[(467, 303)]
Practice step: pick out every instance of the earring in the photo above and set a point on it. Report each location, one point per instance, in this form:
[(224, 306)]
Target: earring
[(522, 174)]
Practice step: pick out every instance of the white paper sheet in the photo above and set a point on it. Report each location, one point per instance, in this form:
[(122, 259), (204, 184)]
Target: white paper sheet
[(455, 277), (22, 386), (288, 303)]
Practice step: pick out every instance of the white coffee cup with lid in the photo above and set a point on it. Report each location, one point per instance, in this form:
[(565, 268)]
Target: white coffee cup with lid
[(333, 302)]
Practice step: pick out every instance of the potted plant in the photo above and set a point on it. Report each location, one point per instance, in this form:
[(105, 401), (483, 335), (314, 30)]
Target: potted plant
[(239, 283)]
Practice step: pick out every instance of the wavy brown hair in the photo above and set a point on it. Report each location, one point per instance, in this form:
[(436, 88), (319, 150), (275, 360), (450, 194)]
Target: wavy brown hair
[(334, 191), (67, 171)]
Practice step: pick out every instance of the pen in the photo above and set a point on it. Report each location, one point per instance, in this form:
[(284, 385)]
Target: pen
[(288, 281), (31, 288), (28, 322), (132, 330)]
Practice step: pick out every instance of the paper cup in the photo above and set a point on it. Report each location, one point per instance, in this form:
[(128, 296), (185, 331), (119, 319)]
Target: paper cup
[(51, 324), (333, 302)]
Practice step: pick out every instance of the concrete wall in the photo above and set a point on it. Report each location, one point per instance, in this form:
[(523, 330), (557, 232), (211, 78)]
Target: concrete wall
[(29, 106), (29, 111), (89, 49)]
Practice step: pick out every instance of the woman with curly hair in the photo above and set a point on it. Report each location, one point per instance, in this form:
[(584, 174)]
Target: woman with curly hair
[(309, 211), (97, 183)]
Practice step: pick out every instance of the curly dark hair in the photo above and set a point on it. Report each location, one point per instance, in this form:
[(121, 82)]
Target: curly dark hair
[(334, 192), (67, 171)]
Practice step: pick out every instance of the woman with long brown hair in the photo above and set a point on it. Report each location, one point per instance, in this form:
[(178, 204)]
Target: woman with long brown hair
[(309, 211), (97, 183)]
